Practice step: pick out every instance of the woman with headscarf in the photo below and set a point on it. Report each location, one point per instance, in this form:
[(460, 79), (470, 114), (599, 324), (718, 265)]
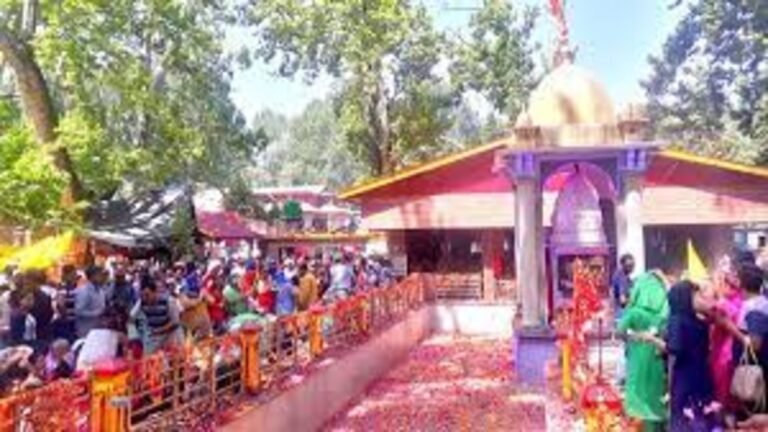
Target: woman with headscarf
[(691, 385), (646, 312)]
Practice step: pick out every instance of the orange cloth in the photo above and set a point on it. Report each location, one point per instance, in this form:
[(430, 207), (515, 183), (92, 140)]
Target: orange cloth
[(308, 291)]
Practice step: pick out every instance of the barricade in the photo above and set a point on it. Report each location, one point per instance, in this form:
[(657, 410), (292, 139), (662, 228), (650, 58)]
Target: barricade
[(60, 406), (192, 387)]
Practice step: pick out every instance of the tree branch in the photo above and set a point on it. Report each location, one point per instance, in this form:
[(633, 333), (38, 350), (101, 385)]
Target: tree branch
[(37, 104)]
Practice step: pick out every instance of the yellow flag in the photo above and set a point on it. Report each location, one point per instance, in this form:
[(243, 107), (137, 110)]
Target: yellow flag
[(696, 269)]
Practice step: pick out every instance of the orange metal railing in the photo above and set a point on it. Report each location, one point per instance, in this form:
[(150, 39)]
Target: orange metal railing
[(193, 387), (60, 406)]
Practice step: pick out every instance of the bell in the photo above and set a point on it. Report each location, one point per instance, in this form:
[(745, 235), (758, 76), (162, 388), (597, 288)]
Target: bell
[(578, 219)]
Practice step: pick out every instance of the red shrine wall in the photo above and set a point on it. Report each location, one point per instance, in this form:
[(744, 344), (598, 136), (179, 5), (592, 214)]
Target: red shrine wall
[(467, 194), (490, 210), (677, 205), (681, 192), (468, 176), (662, 205)]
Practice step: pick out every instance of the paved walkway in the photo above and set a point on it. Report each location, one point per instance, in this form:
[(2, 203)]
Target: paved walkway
[(448, 383)]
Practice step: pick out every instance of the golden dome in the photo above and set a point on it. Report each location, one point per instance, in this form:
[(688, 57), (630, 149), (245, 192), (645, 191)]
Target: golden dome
[(569, 95)]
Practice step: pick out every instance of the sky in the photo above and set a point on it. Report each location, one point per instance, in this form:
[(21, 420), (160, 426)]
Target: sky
[(613, 39)]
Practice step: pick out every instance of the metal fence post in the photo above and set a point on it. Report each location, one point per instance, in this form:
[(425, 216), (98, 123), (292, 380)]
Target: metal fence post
[(365, 316), (250, 365), (316, 332), (109, 383)]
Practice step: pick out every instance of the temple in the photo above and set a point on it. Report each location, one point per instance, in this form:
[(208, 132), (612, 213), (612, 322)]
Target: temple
[(573, 178)]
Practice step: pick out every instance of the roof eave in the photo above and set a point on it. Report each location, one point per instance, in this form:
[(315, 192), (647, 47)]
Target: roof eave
[(684, 156), (406, 173)]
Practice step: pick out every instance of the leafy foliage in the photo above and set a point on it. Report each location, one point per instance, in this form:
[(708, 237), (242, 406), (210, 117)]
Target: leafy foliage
[(183, 233), (142, 92), (29, 183), (391, 100), (239, 198), (471, 129), (709, 87), (401, 80), (496, 60), (308, 149)]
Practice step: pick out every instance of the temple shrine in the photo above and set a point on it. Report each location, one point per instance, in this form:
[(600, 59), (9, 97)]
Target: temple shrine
[(573, 178)]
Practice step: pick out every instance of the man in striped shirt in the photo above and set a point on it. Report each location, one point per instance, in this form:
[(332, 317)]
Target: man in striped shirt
[(155, 319)]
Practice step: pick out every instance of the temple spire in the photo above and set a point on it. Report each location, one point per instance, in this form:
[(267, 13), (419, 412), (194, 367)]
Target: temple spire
[(563, 51)]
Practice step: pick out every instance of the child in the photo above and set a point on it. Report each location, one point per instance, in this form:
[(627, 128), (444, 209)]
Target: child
[(59, 361)]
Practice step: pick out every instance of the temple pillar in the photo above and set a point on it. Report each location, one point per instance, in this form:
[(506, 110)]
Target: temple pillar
[(633, 162), (529, 263), (629, 221)]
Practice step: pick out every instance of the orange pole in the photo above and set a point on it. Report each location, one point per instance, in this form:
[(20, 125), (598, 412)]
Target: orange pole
[(316, 332), (567, 379), (365, 317), (250, 366), (109, 381)]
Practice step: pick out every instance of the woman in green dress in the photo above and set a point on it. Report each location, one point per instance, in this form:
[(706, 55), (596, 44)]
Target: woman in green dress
[(646, 382)]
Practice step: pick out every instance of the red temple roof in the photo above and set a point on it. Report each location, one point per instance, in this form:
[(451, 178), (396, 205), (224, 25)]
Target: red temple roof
[(426, 167), (225, 225), (665, 161)]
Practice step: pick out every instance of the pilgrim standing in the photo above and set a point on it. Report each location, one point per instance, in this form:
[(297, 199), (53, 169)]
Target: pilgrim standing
[(646, 383), (729, 303)]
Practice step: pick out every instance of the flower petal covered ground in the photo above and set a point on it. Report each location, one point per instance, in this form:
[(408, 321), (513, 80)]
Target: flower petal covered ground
[(448, 383)]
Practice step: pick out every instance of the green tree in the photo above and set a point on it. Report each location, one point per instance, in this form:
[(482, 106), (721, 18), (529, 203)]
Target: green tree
[(18, 23), (184, 233), (310, 148), (391, 102), (238, 197), (496, 59), (708, 90), (470, 128), (126, 91)]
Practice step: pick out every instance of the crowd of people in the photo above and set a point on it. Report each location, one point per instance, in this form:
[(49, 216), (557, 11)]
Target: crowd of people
[(696, 347), (59, 324)]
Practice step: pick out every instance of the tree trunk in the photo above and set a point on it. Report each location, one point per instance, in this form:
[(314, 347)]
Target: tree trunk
[(38, 107), (380, 147)]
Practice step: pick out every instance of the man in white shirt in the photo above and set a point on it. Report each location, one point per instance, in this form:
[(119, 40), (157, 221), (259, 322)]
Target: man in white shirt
[(342, 279), (101, 344)]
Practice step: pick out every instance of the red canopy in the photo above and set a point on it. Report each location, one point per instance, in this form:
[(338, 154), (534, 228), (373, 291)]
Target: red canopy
[(225, 225)]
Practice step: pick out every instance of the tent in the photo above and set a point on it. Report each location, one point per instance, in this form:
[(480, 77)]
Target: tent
[(139, 221)]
